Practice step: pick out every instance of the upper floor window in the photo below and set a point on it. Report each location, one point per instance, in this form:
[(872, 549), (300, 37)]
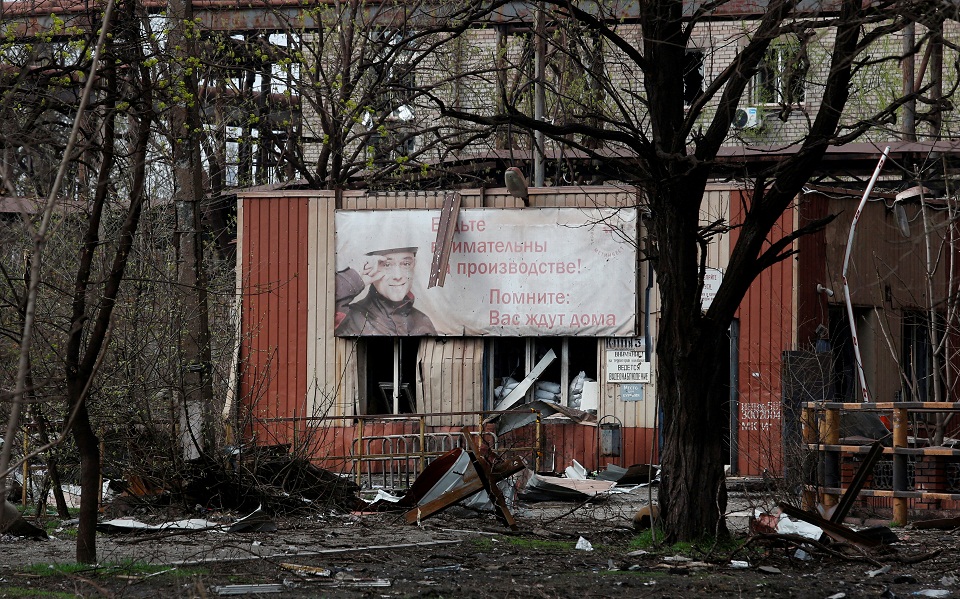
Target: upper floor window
[(782, 74), (692, 75)]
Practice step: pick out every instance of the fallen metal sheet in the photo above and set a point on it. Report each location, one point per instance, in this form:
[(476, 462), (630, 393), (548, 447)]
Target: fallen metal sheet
[(451, 479), (255, 521), (575, 471), (434, 476), (336, 550), (248, 589), (554, 488), (131, 525), (478, 477), (637, 474), (529, 412), (612, 472)]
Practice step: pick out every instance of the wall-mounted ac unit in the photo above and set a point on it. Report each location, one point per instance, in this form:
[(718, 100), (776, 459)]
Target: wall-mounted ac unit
[(747, 118)]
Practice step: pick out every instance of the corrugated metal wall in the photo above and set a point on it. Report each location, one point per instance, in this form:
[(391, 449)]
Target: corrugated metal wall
[(767, 322), (273, 275)]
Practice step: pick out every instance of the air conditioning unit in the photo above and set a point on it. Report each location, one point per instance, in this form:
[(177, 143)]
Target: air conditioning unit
[(747, 118)]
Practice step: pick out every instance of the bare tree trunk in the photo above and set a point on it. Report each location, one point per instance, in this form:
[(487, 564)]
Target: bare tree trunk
[(88, 446), (185, 126)]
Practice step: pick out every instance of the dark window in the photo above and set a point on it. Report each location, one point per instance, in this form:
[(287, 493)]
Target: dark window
[(917, 359), (391, 363), (692, 75)]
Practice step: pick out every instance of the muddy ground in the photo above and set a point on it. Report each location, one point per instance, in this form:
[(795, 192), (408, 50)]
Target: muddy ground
[(461, 553)]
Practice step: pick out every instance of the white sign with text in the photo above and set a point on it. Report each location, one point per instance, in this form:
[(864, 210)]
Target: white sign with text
[(512, 272)]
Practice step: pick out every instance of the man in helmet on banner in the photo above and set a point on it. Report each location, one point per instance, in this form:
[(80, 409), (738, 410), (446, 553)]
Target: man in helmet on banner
[(387, 308)]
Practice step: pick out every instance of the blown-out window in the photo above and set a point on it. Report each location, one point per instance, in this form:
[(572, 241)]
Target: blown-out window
[(510, 359)]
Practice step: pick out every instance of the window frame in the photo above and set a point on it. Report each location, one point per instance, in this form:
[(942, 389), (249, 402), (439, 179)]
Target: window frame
[(785, 82)]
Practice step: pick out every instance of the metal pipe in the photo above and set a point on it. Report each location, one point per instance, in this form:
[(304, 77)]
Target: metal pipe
[(846, 266), (538, 94), (907, 66)]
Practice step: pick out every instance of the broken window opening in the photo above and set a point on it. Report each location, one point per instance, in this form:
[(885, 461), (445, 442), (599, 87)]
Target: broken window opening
[(509, 359), (391, 375)]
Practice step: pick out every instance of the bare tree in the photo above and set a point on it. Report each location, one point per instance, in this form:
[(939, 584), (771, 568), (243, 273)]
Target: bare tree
[(667, 145)]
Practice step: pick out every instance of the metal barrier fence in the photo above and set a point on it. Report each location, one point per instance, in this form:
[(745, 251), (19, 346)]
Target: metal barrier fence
[(393, 460)]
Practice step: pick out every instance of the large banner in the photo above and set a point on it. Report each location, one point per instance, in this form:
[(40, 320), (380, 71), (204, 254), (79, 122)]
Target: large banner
[(512, 272)]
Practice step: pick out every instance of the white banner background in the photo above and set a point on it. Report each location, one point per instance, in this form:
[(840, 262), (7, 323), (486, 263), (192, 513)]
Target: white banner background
[(529, 272)]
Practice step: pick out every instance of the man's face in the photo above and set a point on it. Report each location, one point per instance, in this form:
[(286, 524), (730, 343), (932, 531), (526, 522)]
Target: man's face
[(397, 276)]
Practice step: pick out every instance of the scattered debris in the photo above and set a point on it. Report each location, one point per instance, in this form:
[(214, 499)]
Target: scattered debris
[(334, 550), (878, 571), (311, 570), (786, 526), (267, 476), (738, 564), (645, 516), (932, 593), (836, 531), (255, 521), (584, 545), (450, 568), (769, 569)]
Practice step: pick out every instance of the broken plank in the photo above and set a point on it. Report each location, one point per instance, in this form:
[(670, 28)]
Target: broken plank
[(448, 226), (856, 485)]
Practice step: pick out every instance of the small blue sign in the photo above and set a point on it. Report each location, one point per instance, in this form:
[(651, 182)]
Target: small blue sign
[(631, 392)]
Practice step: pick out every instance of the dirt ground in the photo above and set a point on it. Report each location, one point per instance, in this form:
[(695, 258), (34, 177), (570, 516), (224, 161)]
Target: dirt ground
[(462, 553)]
